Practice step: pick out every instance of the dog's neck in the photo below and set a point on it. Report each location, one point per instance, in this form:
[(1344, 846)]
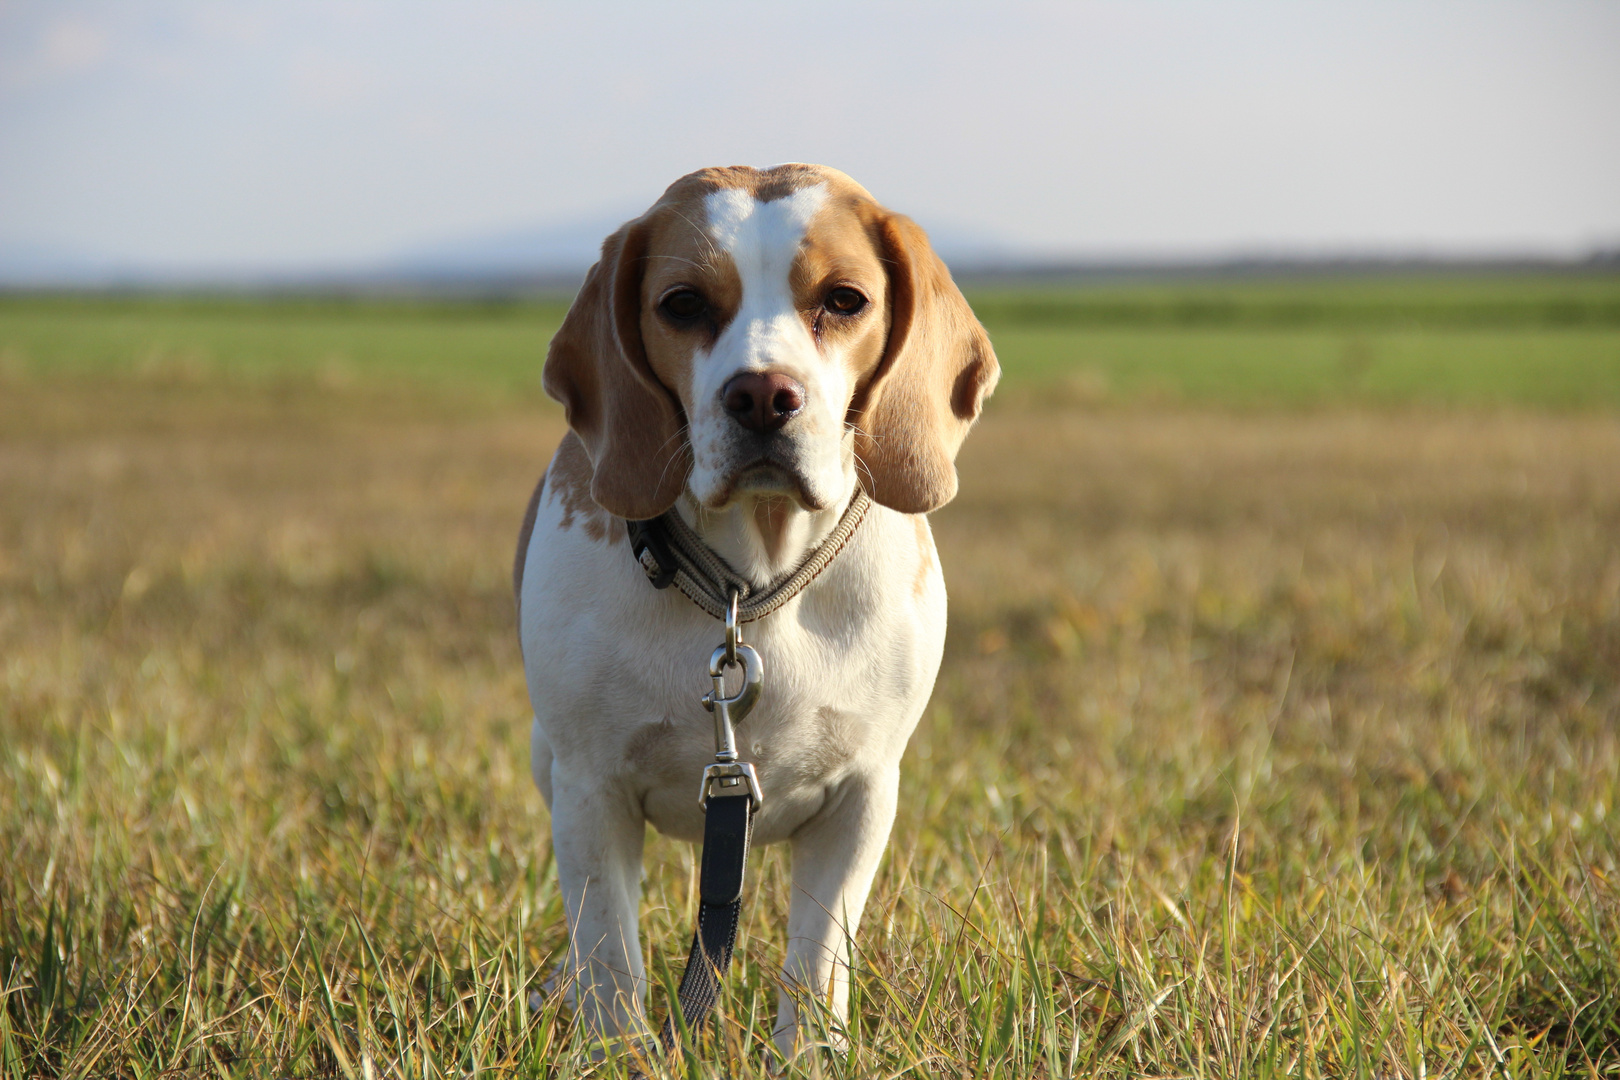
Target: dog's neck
[(762, 538)]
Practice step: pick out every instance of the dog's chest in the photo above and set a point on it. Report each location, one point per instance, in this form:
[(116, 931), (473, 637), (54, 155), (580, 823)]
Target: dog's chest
[(815, 726), (617, 673)]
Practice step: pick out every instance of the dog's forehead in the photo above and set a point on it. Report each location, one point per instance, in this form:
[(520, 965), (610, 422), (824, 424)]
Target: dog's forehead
[(754, 230), (759, 220)]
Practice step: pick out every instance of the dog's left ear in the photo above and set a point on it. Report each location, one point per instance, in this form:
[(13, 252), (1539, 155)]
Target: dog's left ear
[(631, 424), (937, 368)]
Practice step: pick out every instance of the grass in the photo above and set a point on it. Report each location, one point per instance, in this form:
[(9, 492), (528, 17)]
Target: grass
[(1551, 342), (1270, 741), (1387, 302), (494, 347), (1545, 367)]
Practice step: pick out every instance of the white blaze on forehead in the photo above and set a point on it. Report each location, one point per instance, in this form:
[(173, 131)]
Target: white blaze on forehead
[(762, 238), (768, 333)]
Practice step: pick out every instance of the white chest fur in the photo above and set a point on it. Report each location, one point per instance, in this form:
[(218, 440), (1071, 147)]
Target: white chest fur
[(617, 670)]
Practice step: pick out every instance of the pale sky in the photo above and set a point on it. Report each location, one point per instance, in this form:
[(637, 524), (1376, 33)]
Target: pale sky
[(288, 134)]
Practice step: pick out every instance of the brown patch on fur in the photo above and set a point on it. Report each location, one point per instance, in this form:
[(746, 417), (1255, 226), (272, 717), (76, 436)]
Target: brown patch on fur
[(768, 185), (842, 248), (525, 531), (925, 556), (570, 475)]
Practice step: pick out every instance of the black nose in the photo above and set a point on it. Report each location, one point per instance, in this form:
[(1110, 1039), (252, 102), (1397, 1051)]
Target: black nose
[(762, 402)]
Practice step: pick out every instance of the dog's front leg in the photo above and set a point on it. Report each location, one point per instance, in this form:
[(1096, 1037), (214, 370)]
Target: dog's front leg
[(597, 831), (835, 857)]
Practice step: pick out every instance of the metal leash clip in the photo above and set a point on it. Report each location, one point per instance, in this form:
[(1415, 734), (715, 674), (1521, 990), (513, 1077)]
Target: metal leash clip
[(727, 773)]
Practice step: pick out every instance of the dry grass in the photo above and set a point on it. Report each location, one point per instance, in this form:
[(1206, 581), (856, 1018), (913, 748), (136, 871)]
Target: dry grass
[(1267, 744)]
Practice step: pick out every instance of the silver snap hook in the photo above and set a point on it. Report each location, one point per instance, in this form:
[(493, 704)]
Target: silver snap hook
[(729, 710)]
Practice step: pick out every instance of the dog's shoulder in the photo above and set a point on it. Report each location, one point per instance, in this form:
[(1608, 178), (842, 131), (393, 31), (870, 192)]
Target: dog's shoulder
[(567, 482)]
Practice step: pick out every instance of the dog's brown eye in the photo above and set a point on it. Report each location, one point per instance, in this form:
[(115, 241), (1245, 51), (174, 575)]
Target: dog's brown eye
[(684, 305), (844, 301)]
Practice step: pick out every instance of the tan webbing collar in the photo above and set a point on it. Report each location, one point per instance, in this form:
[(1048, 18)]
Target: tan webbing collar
[(672, 554)]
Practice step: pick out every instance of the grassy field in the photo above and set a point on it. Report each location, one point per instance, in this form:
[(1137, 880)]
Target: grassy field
[(1278, 735), (1547, 342)]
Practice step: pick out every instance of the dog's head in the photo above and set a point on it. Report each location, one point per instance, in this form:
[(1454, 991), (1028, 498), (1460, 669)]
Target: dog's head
[(770, 333)]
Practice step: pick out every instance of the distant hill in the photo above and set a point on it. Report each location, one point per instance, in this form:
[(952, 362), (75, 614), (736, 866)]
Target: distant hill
[(565, 249), (25, 264)]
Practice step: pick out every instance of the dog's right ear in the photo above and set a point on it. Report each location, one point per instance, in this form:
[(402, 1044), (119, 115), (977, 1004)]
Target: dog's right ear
[(631, 424), (936, 371)]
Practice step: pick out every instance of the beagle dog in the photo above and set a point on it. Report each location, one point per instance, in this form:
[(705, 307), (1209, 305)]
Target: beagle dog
[(752, 351)]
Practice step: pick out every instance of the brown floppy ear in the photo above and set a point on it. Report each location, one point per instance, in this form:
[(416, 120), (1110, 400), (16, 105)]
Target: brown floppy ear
[(936, 371), (631, 424)]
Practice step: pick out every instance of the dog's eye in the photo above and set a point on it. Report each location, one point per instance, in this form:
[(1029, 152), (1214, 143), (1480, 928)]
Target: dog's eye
[(684, 305), (844, 301)]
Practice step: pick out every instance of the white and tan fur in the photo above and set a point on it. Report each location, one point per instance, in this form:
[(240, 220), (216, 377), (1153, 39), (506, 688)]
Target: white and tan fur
[(616, 669)]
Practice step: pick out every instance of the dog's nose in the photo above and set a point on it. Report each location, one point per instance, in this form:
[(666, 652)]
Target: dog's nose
[(762, 402)]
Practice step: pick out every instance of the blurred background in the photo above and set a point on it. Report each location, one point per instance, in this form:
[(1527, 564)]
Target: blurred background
[(1278, 724), (486, 143), (1372, 169)]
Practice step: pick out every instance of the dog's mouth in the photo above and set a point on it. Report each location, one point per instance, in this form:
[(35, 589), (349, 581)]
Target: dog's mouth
[(766, 477)]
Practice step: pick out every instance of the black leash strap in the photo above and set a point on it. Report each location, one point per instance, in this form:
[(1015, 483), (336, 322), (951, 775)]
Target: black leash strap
[(726, 833), (731, 793)]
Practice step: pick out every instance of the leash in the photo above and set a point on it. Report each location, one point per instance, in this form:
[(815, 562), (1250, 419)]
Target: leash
[(671, 553), (730, 797)]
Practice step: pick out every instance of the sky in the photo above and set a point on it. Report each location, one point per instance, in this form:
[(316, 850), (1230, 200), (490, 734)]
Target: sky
[(247, 135)]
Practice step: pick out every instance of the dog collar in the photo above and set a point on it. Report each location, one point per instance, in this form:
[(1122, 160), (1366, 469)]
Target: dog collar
[(671, 553)]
